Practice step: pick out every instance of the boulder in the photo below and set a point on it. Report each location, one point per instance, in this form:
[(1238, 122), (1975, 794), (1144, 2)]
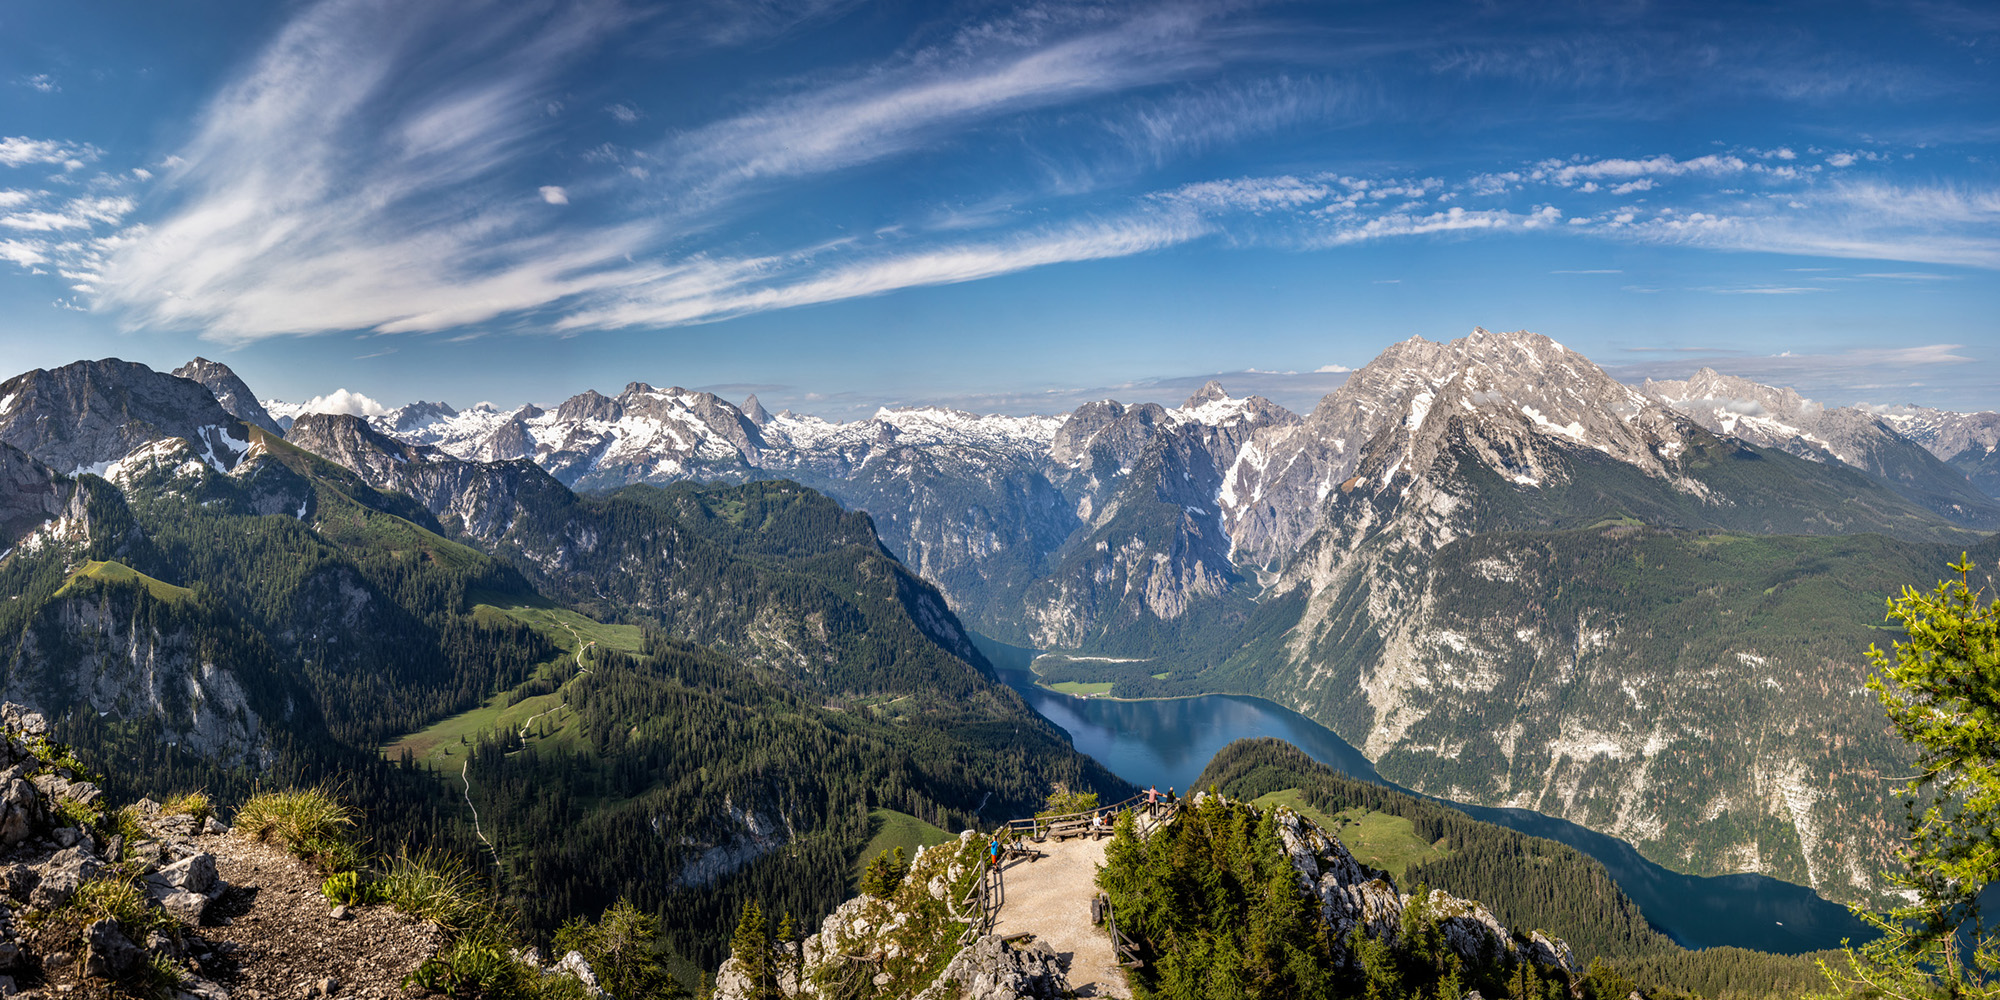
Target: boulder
[(19, 880), (62, 875), (21, 812), (990, 969), (194, 873), (186, 907), (111, 953)]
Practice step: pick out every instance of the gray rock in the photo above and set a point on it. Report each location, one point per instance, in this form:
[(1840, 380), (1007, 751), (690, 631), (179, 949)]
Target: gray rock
[(21, 812), (194, 873), (111, 953), (186, 907), (11, 955), (62, 875), (23, 720), (19, 880), (214, 827), (340, 912), (988, 969)]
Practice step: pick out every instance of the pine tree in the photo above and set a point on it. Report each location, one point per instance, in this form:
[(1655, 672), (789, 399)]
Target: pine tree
[(1941, 690), (751, 946)]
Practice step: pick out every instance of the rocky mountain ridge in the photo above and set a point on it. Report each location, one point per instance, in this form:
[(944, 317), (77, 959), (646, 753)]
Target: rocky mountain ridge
[(1230, 545)]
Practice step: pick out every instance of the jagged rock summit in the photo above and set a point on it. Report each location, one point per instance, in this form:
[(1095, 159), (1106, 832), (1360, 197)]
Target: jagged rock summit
[(229, 391)]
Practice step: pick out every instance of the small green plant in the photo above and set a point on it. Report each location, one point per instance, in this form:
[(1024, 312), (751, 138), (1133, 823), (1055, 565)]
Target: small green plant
[(308, 821), (435, 887), (157, 978), (70, 812), (351, 888), (122, 823), (475, 966), (193, 804), (119, 899)]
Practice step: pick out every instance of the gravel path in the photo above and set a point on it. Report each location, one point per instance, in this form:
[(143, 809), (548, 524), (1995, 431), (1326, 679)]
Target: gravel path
[(1050, 898)]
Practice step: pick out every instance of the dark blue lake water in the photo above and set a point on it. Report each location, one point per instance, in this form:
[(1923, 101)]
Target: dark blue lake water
[(1167, 743)]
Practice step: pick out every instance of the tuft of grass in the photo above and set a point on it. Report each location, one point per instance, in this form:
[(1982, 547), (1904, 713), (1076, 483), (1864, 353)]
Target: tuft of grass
[(157, 978), (435, 887), (193, 804), (70, 812), (351, 888), (309, 822)]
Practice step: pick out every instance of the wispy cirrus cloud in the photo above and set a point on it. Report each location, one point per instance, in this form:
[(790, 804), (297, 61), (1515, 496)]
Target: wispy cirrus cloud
[(709, 290), (363, 173), (987, 71)]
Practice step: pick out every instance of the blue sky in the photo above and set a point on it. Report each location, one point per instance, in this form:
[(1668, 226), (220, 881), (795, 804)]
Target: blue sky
[(1003, 207)]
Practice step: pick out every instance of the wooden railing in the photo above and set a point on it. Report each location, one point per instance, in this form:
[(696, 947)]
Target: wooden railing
[(981, 905), (1101, 913), (1063, 825)]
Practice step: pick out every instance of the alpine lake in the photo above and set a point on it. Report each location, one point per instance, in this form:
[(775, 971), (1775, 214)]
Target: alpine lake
[(1167, 742)]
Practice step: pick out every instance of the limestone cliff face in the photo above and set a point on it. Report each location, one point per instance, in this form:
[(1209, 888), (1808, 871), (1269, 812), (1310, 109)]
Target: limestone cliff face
[(105, 654)]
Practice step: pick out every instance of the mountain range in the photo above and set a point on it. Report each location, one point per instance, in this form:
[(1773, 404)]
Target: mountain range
[(1430, 562), (1506, 576)]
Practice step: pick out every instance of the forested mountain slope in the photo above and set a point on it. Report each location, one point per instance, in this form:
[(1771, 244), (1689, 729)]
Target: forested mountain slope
[(259, 611)]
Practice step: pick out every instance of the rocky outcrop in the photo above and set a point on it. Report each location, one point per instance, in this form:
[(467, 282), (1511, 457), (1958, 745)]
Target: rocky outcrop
[(113, 657), (990, 969), (1352, 895), (230, 392)]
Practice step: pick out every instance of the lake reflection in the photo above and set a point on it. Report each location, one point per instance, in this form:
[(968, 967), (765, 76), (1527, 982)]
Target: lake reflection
[(1167, 743)]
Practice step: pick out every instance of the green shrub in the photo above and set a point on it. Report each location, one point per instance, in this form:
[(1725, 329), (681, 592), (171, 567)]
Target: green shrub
[(1062, 802), (474, 967), (885, 874), (309, 822)]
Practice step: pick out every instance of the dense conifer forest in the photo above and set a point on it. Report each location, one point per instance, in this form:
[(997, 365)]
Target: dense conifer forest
[(1528, 882)]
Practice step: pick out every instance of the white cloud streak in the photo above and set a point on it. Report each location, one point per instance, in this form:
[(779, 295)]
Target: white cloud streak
[(889, 112), (21, 151), (326, 191)]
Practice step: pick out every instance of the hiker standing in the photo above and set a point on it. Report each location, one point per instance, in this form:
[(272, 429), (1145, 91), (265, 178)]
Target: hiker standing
[(1152, 800)]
